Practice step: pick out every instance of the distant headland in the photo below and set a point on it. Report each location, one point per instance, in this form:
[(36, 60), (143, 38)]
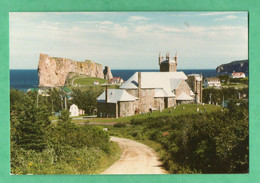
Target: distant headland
[(53, 71), (235, 66)]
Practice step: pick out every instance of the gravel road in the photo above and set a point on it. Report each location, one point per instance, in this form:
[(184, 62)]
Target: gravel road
[(136, 158)]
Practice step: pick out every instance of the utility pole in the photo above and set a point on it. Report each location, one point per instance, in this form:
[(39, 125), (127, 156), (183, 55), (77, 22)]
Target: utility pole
[(65, 103), (61, 102), (210, 97), (223, 102)]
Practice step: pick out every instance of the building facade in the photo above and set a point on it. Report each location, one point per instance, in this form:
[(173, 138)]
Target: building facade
[(146, 91), (212, 82), (74, 110)]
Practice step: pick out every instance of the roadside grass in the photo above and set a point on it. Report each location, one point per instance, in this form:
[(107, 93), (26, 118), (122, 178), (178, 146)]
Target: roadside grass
[(157, 147), (179, 110), (71, 161), (107, 160)]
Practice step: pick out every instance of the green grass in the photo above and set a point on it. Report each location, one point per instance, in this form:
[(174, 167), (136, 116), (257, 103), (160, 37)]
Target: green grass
[(88, 80), (239, 85), (108, 160), (180, 110), (93, 87)]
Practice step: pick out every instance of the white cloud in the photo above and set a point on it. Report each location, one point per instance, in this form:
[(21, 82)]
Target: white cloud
[(217, 13), (125, 44), (137, 18), (229, 17)]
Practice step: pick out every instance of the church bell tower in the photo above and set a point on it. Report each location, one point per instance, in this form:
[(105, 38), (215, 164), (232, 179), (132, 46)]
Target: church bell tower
[(168, 65)]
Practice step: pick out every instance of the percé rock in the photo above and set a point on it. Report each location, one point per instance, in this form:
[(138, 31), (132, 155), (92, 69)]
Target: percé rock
[(53, 71), (107, 73), (235, 66)]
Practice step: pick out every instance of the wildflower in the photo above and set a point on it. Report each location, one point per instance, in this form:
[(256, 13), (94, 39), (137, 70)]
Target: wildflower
[(30, 163)]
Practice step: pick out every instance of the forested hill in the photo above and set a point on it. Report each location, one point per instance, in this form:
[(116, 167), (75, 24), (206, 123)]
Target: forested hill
[(237, 66)]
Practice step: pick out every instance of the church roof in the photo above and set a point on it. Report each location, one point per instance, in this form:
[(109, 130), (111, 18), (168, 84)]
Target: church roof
[(184, 96), (168, 81), (167, 61), (159, 92), (115, 95)]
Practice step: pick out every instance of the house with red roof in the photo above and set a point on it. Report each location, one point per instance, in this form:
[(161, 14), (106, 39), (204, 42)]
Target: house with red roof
[(238, 75)]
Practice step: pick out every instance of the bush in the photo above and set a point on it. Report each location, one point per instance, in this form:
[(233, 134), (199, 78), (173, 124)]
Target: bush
[(214, 142), (119, 125)]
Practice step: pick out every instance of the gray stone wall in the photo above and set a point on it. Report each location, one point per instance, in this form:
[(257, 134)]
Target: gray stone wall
[(195, 86), (168, 67), (183, 87), (171, 101), (146, 100), (159, 103), (126, 108), (133, 92)]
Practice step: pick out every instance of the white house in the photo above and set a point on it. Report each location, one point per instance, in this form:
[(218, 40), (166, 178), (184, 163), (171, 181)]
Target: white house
[(74, 110), (96, 83), (212, 82), (238, 75)]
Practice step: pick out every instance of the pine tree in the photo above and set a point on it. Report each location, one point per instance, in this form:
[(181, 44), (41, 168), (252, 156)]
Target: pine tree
[(31, 123)]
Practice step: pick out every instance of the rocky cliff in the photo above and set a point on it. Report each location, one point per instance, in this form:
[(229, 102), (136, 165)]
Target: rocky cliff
[(235, 66), (53, 71)]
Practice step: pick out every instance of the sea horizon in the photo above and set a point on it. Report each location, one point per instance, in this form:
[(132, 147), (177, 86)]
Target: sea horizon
[(23, 79)]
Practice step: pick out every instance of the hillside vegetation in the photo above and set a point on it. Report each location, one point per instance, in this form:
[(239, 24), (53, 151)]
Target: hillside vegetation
[(39, 147), (173, 111), (215, 142)]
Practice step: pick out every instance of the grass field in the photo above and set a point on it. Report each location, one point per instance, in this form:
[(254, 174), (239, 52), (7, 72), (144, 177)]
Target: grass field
[(81, 80), (180, 110), (85, 83)]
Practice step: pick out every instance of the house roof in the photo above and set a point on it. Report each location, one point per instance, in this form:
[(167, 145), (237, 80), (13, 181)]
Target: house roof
[(184, 96), (73, 106), (168, 81), (159, 92), (198, 77), (213, 79), (237, 73), (191, 93), (115, 95)]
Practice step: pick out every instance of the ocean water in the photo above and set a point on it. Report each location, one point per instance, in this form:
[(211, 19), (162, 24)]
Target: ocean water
[(25, 79)]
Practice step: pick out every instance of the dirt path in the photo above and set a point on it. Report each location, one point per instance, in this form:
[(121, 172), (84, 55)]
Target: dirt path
[(136, 158)]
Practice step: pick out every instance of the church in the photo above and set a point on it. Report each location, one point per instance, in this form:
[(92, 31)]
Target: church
[(146, 91)]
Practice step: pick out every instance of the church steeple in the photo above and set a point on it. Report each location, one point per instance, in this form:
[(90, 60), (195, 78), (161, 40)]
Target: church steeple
[(176, 57), (168, 65)]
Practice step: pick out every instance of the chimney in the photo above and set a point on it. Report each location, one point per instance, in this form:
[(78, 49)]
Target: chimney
[(139, 85), (195, 83), (106, 93)]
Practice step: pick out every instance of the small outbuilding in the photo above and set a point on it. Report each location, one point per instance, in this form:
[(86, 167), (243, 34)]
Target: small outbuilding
[(74, 110)]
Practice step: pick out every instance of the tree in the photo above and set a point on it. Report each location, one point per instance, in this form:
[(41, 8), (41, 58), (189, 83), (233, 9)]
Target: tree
[(30, 123)]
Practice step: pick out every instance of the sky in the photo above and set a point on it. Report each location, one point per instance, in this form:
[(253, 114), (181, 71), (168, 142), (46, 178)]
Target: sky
[(129, 40)]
